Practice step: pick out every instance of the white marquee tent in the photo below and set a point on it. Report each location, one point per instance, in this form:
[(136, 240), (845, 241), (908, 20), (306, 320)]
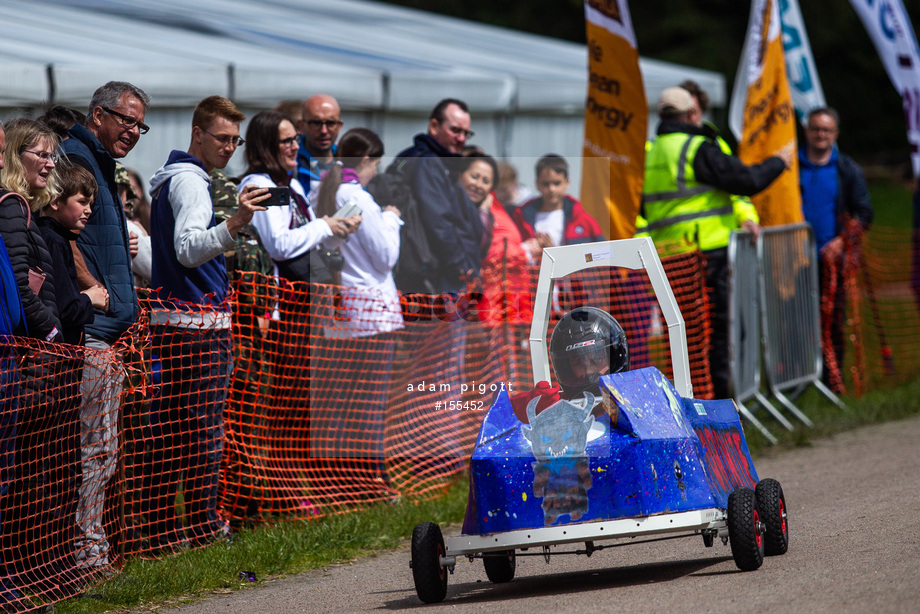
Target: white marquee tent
[(386, 65)]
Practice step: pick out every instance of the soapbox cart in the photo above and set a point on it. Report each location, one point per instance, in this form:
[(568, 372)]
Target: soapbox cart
[(646, 461)]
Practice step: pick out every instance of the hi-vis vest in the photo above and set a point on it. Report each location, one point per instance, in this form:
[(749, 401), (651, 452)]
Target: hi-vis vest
[(678, 209)]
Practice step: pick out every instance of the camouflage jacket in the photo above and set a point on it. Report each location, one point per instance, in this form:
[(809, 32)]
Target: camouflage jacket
[(248, 255)]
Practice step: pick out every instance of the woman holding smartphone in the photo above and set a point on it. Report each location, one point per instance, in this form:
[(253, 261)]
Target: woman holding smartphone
[(363, 326), (288, 232)]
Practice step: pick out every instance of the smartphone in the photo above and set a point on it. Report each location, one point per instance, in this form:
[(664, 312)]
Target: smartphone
[(277, 197), (349, 209)]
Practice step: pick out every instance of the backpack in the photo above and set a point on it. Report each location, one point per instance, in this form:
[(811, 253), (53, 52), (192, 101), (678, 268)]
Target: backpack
[(416, 270)]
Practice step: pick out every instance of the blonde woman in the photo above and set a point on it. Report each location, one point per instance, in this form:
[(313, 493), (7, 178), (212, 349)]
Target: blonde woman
[(28, 172), (41, 503)]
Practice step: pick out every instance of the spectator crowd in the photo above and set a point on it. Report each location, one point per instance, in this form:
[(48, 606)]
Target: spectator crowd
[(80, 242)]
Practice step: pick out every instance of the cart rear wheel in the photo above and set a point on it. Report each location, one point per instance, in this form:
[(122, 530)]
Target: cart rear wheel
[(429, 575), (744, 529), (771, 504), (499, 566)]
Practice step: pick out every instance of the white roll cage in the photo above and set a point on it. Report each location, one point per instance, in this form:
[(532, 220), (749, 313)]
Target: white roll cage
[(628, 253)]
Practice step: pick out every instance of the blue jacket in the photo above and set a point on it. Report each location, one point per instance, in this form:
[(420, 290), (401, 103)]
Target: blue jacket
[(104, 241), (852, 192), (305, 174), (452, 222), (11, 314)]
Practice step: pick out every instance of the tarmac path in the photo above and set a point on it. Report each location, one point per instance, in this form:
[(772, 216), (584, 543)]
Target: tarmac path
[(854, 519)]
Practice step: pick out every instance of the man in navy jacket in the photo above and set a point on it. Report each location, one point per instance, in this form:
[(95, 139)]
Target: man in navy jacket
[(453, 229), (451, 221), (114, 124)]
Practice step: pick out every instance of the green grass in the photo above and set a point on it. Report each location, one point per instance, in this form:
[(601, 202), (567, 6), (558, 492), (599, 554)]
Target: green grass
[(873, 408), (270, 551), (891, 201)]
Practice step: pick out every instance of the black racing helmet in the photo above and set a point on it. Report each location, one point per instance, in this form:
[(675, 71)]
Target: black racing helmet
[(587, 343)]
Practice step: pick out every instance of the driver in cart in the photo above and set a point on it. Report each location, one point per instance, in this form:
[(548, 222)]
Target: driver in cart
[(586, 344)]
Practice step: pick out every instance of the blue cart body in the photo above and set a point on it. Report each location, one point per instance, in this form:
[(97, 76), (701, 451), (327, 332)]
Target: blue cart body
[(642, 450)]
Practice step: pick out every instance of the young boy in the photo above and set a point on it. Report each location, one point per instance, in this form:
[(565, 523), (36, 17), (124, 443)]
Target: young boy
[(61, 222), (555, 217)]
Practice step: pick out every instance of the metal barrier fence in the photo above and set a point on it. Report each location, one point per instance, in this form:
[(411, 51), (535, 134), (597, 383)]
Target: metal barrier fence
[(744, 330), (790, 313)]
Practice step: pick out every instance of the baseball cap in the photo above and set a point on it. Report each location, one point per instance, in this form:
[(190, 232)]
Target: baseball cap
[(675, 100)]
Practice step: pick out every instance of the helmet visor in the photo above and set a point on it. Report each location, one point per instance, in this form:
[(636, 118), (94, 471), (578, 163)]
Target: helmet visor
[(581, 366)]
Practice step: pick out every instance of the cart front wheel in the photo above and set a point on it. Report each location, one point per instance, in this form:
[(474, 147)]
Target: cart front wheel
[(771, 504), (708, 538), (499, 566), (429, 575), (744, 530)]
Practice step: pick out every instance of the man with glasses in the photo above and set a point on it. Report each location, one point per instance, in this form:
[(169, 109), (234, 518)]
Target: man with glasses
[(319, 127), (114, 124), (833, 189), (451, 221), (191, 325)]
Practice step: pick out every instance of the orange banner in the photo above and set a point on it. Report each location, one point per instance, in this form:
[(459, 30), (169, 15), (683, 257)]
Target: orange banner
[(616, 118), (768, 120)]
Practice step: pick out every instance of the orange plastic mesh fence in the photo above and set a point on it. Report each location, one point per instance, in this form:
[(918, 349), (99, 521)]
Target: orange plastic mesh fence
[(323, 415), (332, 399), (58, 453), (888, 317), (840, 294), (335, 399)]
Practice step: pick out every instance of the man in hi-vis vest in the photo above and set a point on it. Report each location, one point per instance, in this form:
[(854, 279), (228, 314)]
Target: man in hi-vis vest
[(687, 202)]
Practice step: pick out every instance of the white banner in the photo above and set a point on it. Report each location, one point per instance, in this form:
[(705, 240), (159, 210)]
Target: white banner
[(800, 64), (614, 18), (894, 39), (739, 89)]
